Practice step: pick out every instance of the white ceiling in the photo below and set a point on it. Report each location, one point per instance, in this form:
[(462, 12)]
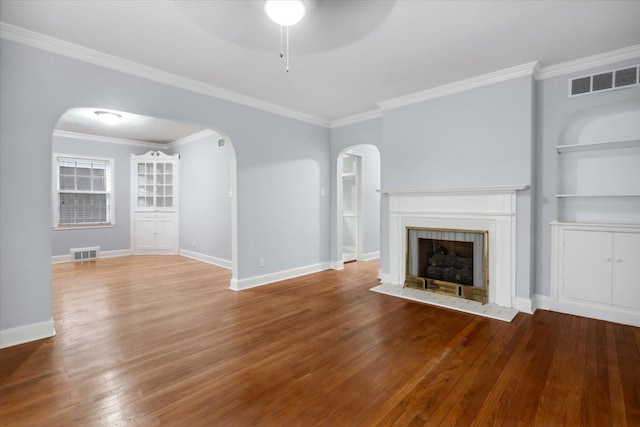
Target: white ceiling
[(346, 56), (133, 127)]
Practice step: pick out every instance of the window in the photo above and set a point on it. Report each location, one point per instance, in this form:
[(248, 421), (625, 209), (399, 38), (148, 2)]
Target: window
[(83, 193)]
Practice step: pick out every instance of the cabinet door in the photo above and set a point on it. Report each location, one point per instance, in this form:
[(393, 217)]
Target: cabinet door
[(144, 185), (165, 186), (587, 265), (167, 234), (145, 233), (626, 269)]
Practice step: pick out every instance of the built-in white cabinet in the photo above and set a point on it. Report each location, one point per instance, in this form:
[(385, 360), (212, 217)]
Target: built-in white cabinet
[(156, 233), (596, 271), (154, 202)]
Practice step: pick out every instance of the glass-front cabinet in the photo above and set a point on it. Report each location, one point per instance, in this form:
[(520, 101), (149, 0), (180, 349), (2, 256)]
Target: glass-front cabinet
[(155, 203), (155, 185)]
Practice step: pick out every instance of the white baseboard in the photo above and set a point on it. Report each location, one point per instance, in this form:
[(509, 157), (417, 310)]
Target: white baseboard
[(115, 254), (27, 333), (371, 256), (601, 311), (525, 305), (542, 302), (339, 265), (219, 262), (530, 305), (57, 259), (585, 309), (265, 279), (386, 278)]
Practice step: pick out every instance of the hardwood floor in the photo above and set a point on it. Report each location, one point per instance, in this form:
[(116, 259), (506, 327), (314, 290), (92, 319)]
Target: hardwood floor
[(163, 341)]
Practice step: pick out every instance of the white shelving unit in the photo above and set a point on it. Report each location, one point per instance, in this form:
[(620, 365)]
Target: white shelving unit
[(598, 195), (595, 242), (607, 145), (599, 181), (154, 203)]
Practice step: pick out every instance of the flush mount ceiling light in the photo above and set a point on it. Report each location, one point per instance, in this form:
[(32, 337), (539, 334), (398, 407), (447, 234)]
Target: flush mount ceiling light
[(284, 13), (108, 117)]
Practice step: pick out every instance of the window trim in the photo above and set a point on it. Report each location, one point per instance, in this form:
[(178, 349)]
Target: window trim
[(55, 185)]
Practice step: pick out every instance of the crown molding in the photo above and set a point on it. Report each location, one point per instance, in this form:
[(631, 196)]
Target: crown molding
[(108, 139), (461, 86), (191, 138), (582, 64), (51, 44), (356, 118)]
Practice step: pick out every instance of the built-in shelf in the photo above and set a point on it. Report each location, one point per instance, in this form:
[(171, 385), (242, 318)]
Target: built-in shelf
[(493, 189), (598, 146), (598, 195), (348, 175)]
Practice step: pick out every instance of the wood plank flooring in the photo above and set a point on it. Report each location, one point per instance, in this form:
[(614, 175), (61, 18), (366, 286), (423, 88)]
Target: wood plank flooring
[(162, 341)]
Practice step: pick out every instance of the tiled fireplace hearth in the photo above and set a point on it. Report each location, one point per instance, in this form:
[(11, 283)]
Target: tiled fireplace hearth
[(490, 209)]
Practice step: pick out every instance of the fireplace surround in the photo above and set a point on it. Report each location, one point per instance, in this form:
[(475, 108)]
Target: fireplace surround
[(491, 209)]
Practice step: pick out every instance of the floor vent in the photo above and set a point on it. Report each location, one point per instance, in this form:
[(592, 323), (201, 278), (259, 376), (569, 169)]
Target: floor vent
[(605, 81), (85, 254)]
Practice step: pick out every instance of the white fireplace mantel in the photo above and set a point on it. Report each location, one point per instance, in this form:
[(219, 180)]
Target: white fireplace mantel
[(489, 208)]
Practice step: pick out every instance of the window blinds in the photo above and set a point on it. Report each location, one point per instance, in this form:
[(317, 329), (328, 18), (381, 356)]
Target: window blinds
[(84, 193)]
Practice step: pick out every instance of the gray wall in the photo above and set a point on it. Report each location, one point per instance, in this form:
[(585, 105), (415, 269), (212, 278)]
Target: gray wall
[(480, 137), (109, 239), (282, 164), (474, 138), (555, 113), (205, 206)]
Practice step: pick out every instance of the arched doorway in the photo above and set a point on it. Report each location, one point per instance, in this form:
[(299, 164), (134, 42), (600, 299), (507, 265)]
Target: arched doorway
[(358, 204), (75, 136)]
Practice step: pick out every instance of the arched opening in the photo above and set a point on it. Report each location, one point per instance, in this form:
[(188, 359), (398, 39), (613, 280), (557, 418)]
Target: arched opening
[(207, 186), (598, 165), (358, 204)]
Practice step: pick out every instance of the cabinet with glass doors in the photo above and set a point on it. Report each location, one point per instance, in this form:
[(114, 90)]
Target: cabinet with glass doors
[(155, 203)]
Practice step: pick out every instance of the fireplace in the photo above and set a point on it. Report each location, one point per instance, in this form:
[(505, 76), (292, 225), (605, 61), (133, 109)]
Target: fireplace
[(490, 209), (453, 262)]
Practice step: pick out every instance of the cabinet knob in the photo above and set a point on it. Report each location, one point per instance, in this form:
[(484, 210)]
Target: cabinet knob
[(607, 259), (618, 259)]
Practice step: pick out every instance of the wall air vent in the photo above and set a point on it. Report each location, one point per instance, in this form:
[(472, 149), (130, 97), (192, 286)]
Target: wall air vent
[(602, 82), (85, 254)]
